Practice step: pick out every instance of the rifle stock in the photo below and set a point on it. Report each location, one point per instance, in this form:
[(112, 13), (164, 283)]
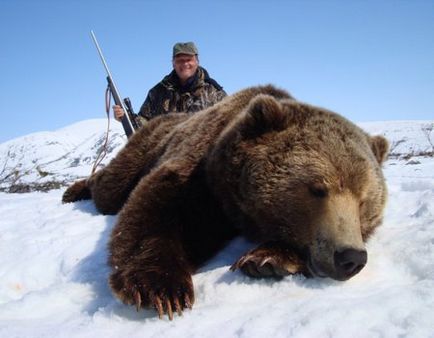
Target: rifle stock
[(127, 122)]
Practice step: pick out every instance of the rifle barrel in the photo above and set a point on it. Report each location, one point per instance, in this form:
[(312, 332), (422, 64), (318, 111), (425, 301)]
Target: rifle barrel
[(101, 55), (126, 122)]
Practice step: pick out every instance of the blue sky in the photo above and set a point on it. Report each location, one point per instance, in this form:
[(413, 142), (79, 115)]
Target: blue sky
[(367, 60)]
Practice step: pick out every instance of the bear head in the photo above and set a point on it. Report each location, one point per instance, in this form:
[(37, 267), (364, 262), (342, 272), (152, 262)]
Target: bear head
[(304, 176)]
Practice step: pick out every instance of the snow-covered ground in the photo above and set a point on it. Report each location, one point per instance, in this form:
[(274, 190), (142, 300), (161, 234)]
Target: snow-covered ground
[(53, 272)]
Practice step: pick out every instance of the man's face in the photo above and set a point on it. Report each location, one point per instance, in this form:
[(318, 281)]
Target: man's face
[(185, 66)]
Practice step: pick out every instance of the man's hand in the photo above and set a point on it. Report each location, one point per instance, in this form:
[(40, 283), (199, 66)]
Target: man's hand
[(118, 112)]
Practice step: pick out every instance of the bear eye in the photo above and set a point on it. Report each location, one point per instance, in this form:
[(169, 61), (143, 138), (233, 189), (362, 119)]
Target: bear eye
[(318, 190)]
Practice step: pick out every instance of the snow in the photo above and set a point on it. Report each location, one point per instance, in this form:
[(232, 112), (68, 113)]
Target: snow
[(53, 271), (62, 155)]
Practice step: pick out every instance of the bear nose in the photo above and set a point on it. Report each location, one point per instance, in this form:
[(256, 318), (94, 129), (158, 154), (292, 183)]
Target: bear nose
[(349, 262)]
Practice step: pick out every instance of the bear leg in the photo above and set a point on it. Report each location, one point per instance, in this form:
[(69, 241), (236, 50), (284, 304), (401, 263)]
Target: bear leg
[(150, 265)]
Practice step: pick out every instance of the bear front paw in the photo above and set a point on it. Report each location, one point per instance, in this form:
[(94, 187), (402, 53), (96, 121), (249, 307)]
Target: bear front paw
[(167, 292), (77, 192), (269, 260)]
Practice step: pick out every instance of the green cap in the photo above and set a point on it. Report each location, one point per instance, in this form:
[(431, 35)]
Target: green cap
[(184, 48)]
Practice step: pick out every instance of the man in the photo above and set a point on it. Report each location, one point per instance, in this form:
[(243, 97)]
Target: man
[(188, 88)]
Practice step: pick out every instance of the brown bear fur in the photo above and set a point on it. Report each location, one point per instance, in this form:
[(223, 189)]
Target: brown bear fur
[(302, 181)]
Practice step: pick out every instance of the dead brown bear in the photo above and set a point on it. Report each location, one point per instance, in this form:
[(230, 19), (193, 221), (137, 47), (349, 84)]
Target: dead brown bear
[(303, 182)]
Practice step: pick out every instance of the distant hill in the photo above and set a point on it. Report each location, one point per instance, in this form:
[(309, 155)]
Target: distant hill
[(49, 160)]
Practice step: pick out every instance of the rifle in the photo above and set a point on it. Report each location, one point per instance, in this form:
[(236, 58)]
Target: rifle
[(127, 120)]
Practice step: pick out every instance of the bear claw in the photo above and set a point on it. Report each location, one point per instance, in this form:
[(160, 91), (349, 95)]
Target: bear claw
[(168, 306), (259, 267), (166, 296), (138, 300), (269, 260)]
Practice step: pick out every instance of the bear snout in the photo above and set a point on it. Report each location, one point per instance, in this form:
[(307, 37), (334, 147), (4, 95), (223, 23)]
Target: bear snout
[(341, 264), (349, 262)]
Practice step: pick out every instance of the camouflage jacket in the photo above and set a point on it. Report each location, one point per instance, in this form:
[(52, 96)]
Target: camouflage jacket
[(169, 96)]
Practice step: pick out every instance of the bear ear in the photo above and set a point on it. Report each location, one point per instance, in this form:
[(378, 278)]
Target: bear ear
[(380, 147), (264, 113)]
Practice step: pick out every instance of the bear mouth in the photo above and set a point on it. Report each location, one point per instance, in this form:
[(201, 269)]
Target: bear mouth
[(314, 269)]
